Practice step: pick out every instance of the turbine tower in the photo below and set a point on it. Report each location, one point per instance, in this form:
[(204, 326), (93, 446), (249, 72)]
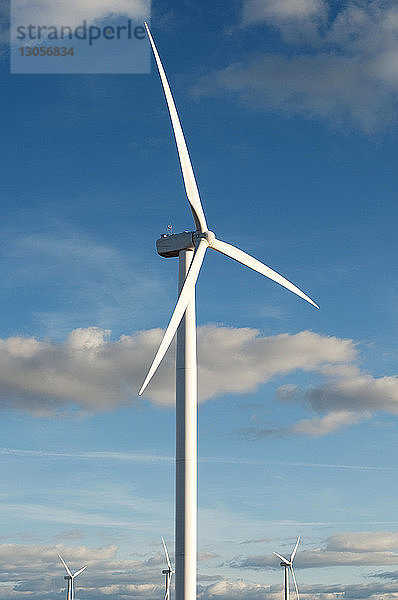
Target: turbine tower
[(288, 566), (190, 248), (168, 573), (70, 594)]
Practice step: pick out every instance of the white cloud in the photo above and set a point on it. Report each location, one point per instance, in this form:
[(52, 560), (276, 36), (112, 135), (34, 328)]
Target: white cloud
[(348, 397), (292, 17), (96, 374), (315, 426), (234, 589), (313, 559), (363, 541), (325, 85), (319, 426), (343, 71), (239, 360), (359, 393), (14, 556), (224, 590), (36, 572), (73, 12), (270, 10)]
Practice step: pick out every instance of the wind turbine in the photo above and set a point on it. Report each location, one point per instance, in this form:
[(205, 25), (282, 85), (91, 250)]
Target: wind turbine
[(190, 248), (70, 595), (168, 573), (288, 566)]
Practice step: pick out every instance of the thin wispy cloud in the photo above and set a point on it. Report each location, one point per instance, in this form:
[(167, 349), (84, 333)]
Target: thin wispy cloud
[(84, 276), (167, 460), (316, 426), (99, 455)]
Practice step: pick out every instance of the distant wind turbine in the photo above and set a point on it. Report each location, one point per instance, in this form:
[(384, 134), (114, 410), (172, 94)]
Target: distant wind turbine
[(190, 247), (168, 573), (70, 594), (288, 566)]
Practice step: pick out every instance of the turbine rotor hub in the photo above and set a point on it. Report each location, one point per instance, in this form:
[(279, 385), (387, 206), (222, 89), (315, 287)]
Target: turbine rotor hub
[(209, 236)]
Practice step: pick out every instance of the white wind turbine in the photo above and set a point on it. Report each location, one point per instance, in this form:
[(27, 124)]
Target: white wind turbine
[(70, 594), (190, 248), (288, 566), (168, 573)]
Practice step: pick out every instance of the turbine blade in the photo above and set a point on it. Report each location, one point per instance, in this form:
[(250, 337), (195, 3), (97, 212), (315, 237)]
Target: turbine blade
[(167, 555), (179, 310), (258, 266), (80, 571), (65, 565), (295, 582), (191, 187), (295, 550), (283, 559)]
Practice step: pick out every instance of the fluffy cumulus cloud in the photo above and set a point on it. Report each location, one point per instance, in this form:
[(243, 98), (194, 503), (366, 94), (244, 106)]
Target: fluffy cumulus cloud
[(95, 373), (347, 397), (36, 572), (359, 393), (338, 65), (225, 590), (239, 360)]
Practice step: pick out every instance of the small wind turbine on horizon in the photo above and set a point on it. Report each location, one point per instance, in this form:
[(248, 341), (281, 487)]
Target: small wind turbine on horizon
[(70, 594), (288, 566), (168, 573), (190, 248)]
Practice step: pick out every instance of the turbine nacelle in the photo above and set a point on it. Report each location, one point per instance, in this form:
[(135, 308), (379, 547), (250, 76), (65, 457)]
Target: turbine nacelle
[(170, 245)]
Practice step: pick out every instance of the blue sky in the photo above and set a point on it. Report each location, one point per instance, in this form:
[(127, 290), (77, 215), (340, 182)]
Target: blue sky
[(290, 113)]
